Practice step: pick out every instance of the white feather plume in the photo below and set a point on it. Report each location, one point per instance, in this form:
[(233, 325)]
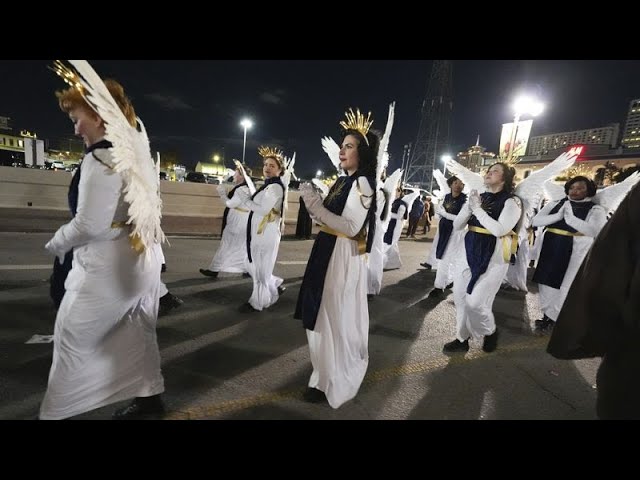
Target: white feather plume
[(383, 155), (471, 180), (247, 178), (410, 198), (553, 191), (442, 184), (131, 158), (389, 188), (332, 149), (610, 197), (289, 163)]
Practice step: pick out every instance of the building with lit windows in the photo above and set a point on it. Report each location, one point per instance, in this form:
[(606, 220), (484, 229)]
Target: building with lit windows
[(631, 135), (594, 136)]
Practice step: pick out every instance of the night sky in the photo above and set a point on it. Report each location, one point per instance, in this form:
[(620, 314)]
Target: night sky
[(194, 106)]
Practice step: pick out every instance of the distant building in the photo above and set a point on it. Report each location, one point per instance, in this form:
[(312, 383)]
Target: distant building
[(476, 157), (631, 135), (594, 136), (5, 125)]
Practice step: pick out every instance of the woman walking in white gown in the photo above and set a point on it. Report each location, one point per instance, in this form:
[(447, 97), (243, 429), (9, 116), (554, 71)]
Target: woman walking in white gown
[(105, 348), (332, 303)]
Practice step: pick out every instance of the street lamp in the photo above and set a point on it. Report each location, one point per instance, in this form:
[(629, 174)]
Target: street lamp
[(245, 123), (522, 106)]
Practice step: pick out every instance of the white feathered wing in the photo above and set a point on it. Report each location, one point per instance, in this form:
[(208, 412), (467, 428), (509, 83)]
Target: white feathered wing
[(131, 158), (610, 197)]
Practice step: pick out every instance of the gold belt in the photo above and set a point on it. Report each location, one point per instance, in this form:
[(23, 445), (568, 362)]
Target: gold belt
[(134, 240), (241, 209), (567, 233), (360, 237), (507, 250), (272, 216)]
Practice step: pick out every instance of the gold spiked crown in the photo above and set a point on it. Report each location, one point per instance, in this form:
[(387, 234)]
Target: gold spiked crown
[(271, 152), (358, 122), (68, 75)]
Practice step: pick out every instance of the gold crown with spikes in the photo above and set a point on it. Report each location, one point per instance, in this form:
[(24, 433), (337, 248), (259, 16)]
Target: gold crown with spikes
[(358, 122), (68, 75), (270, 152)]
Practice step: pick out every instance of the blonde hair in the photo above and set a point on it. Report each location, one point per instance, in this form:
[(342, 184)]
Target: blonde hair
[(72, 98)]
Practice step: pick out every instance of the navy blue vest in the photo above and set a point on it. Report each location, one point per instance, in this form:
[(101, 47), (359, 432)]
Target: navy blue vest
[(312, 286), (557, 249), (445, 227), (395, 206), (479, 246)]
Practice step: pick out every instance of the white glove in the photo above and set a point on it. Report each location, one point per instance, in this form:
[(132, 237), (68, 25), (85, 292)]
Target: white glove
[(222, 191), (54, 251), (475, 202), (312, 199), (441, 211)]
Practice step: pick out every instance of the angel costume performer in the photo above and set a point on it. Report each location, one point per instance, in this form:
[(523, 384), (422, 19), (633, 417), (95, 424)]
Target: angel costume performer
[(332, 302), (448, 242), (571, 226), (263, 235), (105, 348), (232, 253), (488, 248), (399, 213)]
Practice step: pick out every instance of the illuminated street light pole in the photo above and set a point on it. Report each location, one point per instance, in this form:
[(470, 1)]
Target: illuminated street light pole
[(522, 106), (245, 123)]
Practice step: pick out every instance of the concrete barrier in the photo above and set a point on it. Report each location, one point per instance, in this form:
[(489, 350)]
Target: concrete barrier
[(186, 207)]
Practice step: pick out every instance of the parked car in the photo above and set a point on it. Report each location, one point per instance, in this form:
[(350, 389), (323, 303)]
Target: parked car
[(197, 177)]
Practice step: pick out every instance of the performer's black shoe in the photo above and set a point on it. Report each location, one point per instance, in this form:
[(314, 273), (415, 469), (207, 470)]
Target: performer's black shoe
[(449, 287), (246, 275), (545, 325), (246, 308), (168, 302), (490, 342), (436, 293), (281, 289), (164, 268), (426, 265), (208, 273), (456, 346), (370, 296), (142, 408), (313, 395)]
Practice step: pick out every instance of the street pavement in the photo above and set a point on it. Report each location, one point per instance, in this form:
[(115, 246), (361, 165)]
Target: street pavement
[(219, 363)]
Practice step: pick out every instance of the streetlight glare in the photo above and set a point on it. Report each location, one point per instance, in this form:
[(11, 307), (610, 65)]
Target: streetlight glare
[(319, 173), (245, 124), (527, 105)]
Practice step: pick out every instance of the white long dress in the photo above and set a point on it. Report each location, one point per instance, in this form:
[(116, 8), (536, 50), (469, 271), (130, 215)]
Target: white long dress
[(392, 252), (232, 253), (445, 267), (265, 243), (338, 345), (474, 315), (376, 257), (104, 348), (551, 299)]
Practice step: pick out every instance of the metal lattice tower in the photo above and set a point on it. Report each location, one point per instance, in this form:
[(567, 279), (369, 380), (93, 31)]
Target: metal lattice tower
[(433, 134)]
